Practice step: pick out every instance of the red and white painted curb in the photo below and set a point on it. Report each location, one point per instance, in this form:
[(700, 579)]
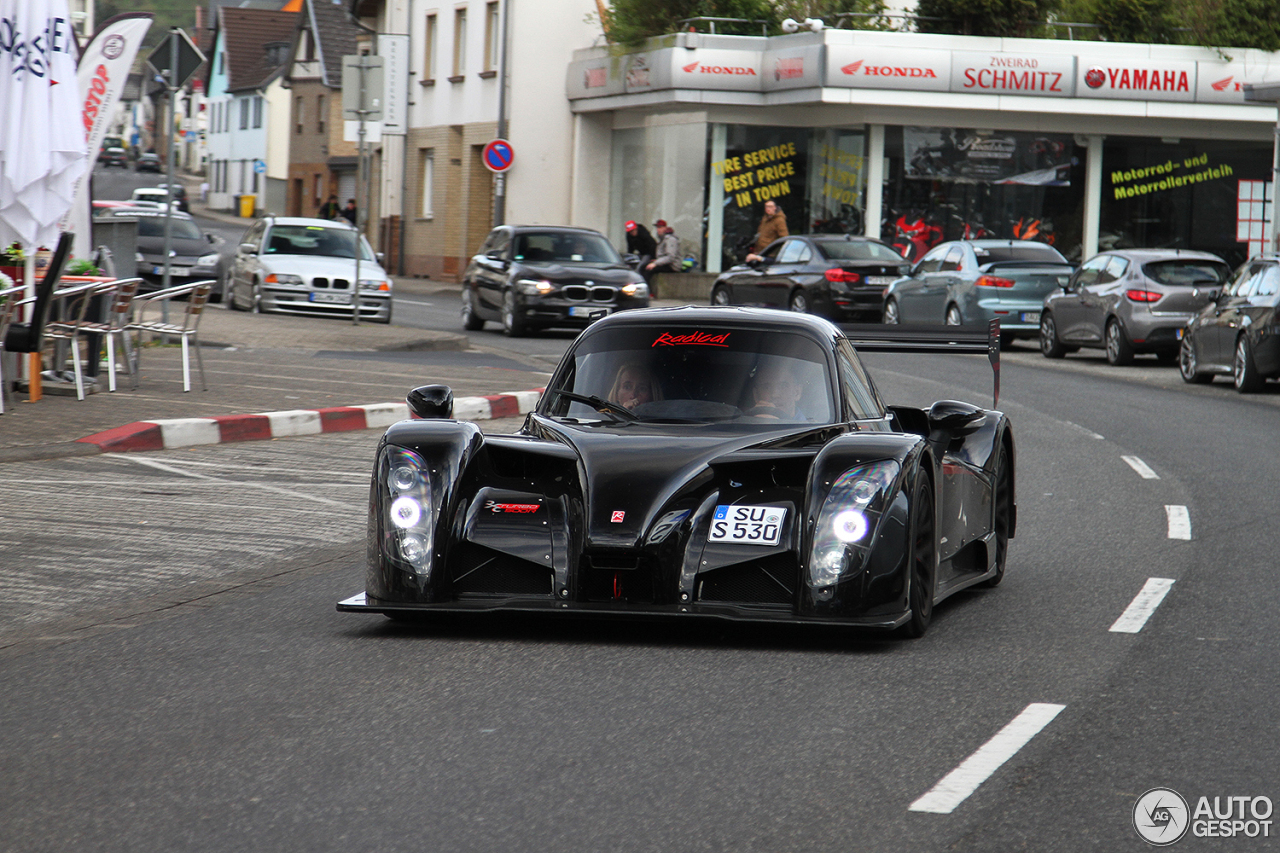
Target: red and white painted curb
[(188, 432)]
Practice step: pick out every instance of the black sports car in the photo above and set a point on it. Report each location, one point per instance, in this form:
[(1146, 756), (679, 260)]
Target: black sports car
[(716, 462), (533, 277), (835, 275)]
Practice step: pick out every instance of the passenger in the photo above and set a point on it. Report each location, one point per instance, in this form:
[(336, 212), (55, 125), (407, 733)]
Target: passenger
[(775, 393), (634, 385)]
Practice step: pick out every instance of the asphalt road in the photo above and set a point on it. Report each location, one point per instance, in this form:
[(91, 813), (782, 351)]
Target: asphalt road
[(175, 675)]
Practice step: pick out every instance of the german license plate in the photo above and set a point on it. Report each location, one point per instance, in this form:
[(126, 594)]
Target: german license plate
[(587, 310), (1031, 316), (748, 524), (332, 298), (159, 270), (880, 279)]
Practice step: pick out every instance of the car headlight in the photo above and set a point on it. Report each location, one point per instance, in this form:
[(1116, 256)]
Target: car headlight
[(636, 288), (408, 527), (284, 278), (207, 260), (848, 520), (374, 284), (529, 287)]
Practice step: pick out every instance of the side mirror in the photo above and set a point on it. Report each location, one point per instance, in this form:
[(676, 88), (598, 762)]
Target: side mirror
[(494, 254), (248, 249), (381, 256), (955, 418), (431, 401)]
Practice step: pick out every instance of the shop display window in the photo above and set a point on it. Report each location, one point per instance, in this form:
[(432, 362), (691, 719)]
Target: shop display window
[(956, 184), (1209, 195)]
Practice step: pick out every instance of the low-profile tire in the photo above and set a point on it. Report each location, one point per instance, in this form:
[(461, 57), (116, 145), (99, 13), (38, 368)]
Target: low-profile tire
[(1050, 345), (1119, 351), (471, 321), (798, 302), (953, 317), (891, 317), (1189, 364), (720, 295), (1002, 520), (512, 327), (922, 562), (1244, 372)]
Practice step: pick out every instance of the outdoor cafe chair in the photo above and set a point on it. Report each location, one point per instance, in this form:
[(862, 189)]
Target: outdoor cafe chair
[(28, 336), (79, 323), (197, 294)]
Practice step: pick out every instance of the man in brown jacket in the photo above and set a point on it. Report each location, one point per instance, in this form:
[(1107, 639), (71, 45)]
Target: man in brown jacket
[(773, 225)]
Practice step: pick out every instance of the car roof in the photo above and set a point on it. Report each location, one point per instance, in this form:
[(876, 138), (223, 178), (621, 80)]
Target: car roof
[(719, 316), (1144, 255), (308, 220), (558, 229)]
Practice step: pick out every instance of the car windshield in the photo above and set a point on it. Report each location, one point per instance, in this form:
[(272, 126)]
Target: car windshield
[(859, 250), (746, 377), (316, 240), (183, 229), (1187, 271), (1024, 252), (560, 247)]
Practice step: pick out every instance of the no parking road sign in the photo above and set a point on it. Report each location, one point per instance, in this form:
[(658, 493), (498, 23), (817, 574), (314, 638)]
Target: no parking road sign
[(497, 155)]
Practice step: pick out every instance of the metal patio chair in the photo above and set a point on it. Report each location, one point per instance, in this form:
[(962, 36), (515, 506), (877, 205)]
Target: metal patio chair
[(120, 294), (197, 294)]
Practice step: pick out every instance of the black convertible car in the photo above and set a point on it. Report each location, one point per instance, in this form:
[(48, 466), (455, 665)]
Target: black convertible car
[(697, 462)]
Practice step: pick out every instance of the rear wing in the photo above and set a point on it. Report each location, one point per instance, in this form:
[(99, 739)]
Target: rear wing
[(959, 340)]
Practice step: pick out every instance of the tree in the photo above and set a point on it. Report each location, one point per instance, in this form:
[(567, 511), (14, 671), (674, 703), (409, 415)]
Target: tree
[(983, 17), (1235, 23), (630, 22)]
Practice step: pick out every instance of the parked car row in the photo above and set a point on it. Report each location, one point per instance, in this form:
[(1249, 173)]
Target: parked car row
[(1185, 307)]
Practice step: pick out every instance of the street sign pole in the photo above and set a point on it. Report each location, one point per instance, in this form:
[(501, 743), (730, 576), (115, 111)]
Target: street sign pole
[(170, 74), (358, 100)]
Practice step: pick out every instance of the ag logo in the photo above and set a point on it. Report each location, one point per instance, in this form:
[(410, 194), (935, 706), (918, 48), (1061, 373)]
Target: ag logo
[(1161, 816)]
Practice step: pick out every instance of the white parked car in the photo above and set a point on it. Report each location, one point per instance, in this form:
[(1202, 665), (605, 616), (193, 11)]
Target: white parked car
[(308, 266)]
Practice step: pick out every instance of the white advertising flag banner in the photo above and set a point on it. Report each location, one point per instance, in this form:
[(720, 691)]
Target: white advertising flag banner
[(104, 67), (42, 151)]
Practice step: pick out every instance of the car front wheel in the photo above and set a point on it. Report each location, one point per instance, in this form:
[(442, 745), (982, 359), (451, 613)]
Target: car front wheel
[(1050, 346), (511, 324), (922, 562), (470, 320), (799, 303)]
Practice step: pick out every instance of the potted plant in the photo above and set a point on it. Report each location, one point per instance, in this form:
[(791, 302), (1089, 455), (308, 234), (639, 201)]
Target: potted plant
[(12, 260)]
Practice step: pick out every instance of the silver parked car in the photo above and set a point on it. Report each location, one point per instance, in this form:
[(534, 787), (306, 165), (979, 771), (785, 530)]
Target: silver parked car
[(1131, 301), (972, 282), (308, 266)]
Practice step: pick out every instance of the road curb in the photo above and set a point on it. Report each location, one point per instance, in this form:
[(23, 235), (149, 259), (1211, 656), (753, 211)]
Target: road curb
[(168, 434)]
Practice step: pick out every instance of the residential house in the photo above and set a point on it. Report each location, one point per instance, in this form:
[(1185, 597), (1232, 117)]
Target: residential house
[(436, 179), (248, 126), (321, 163)]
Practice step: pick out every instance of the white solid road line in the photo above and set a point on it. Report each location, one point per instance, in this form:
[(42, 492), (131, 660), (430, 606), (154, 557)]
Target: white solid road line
[(1143, 469), (1179, 522), (954, 788), (1142, 606)]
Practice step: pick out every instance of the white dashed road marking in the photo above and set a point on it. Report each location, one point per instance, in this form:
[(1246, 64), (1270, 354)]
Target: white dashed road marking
[(1142, 606), (1179, 522), (1144, 470), (954, 788), (160, 466)]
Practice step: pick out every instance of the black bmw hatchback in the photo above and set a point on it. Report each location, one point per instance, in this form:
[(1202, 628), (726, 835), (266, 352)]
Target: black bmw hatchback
[(835, 275), (536, 277)]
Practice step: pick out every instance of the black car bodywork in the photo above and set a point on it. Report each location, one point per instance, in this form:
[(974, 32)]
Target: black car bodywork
[(837, 276), (535, 277), (194, 254), (696, 502), (1238, 334)]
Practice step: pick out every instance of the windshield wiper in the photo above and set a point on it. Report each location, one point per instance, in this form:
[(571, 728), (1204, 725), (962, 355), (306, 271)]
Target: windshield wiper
[(601, 405)]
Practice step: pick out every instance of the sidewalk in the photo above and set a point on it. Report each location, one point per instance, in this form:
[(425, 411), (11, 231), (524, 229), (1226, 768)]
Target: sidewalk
[(329, 374)]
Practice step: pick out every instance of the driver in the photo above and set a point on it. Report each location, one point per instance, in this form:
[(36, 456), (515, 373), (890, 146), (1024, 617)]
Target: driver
[(634, 385), (775, 392)]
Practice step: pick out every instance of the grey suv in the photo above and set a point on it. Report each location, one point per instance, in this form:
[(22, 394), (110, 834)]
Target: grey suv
[(1130, 301)]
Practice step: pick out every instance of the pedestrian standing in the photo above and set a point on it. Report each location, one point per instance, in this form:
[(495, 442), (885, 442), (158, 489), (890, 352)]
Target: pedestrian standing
[(773, 226), (668, 251), (349, 212)]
